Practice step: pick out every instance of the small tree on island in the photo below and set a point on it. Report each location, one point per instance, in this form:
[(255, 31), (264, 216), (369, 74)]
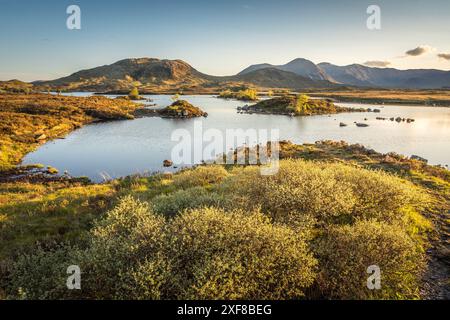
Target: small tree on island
[(175, 97), (302, 105), (134, 94)]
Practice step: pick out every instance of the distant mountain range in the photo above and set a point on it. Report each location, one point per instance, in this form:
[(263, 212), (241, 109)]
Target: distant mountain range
[(360, 75), (157, 75), (301, 67)]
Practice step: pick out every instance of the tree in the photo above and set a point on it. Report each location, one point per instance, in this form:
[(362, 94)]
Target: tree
[(175, 97), (302, 104), (134, 93)]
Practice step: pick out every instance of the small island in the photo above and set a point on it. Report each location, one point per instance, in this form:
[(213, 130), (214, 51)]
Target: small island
[(300, 105), (181, 109), (243, 95)]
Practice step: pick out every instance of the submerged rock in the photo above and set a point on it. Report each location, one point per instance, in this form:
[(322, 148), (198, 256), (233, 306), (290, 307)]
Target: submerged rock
[(167, 163)]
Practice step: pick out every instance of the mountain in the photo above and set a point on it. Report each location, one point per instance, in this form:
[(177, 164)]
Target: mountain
[(151, 74), (275, 78), (301, 67), (15, 86), (127, 73), (359, 75), (155, 75)]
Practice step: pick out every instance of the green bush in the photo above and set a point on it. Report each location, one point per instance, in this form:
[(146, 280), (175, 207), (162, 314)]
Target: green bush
[(298, 188), (236, 255), (202, 254), (134, 94), (331, 193), (195, 197), (41, 275), (240, 235), (379, 195), (244, 95), (346, 252), (200, 176), (128, 235)]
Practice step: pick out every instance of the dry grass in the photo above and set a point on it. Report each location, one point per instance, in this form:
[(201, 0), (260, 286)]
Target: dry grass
[(415, 97)]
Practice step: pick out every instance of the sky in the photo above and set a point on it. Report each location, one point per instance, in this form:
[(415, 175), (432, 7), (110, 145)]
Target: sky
[(220, 37)]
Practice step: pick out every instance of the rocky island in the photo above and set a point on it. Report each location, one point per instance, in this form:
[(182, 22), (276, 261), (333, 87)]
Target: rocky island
[(181, 109), (300, 105), (243, 95)]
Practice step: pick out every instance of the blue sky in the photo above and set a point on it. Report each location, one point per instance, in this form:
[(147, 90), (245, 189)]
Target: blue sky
[(217, 37)]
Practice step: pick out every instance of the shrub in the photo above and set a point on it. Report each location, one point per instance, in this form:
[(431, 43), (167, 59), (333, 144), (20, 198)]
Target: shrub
[(240, 235), (346, 252), (41, 275), (298, 187), (200, 176), (236, 255), (244, 95), (129, 235), (202, 254), (134, 94), (331, 193), (178, 201), (379, 195)]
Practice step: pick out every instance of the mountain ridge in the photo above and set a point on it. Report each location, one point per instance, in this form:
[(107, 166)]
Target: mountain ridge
[(156, 74), (159, 75)]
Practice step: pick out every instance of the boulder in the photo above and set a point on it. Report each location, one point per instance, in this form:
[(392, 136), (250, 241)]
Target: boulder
[(167, 163)]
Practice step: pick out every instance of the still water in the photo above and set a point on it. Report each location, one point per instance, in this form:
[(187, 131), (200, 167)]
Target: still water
[(120, 148)]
